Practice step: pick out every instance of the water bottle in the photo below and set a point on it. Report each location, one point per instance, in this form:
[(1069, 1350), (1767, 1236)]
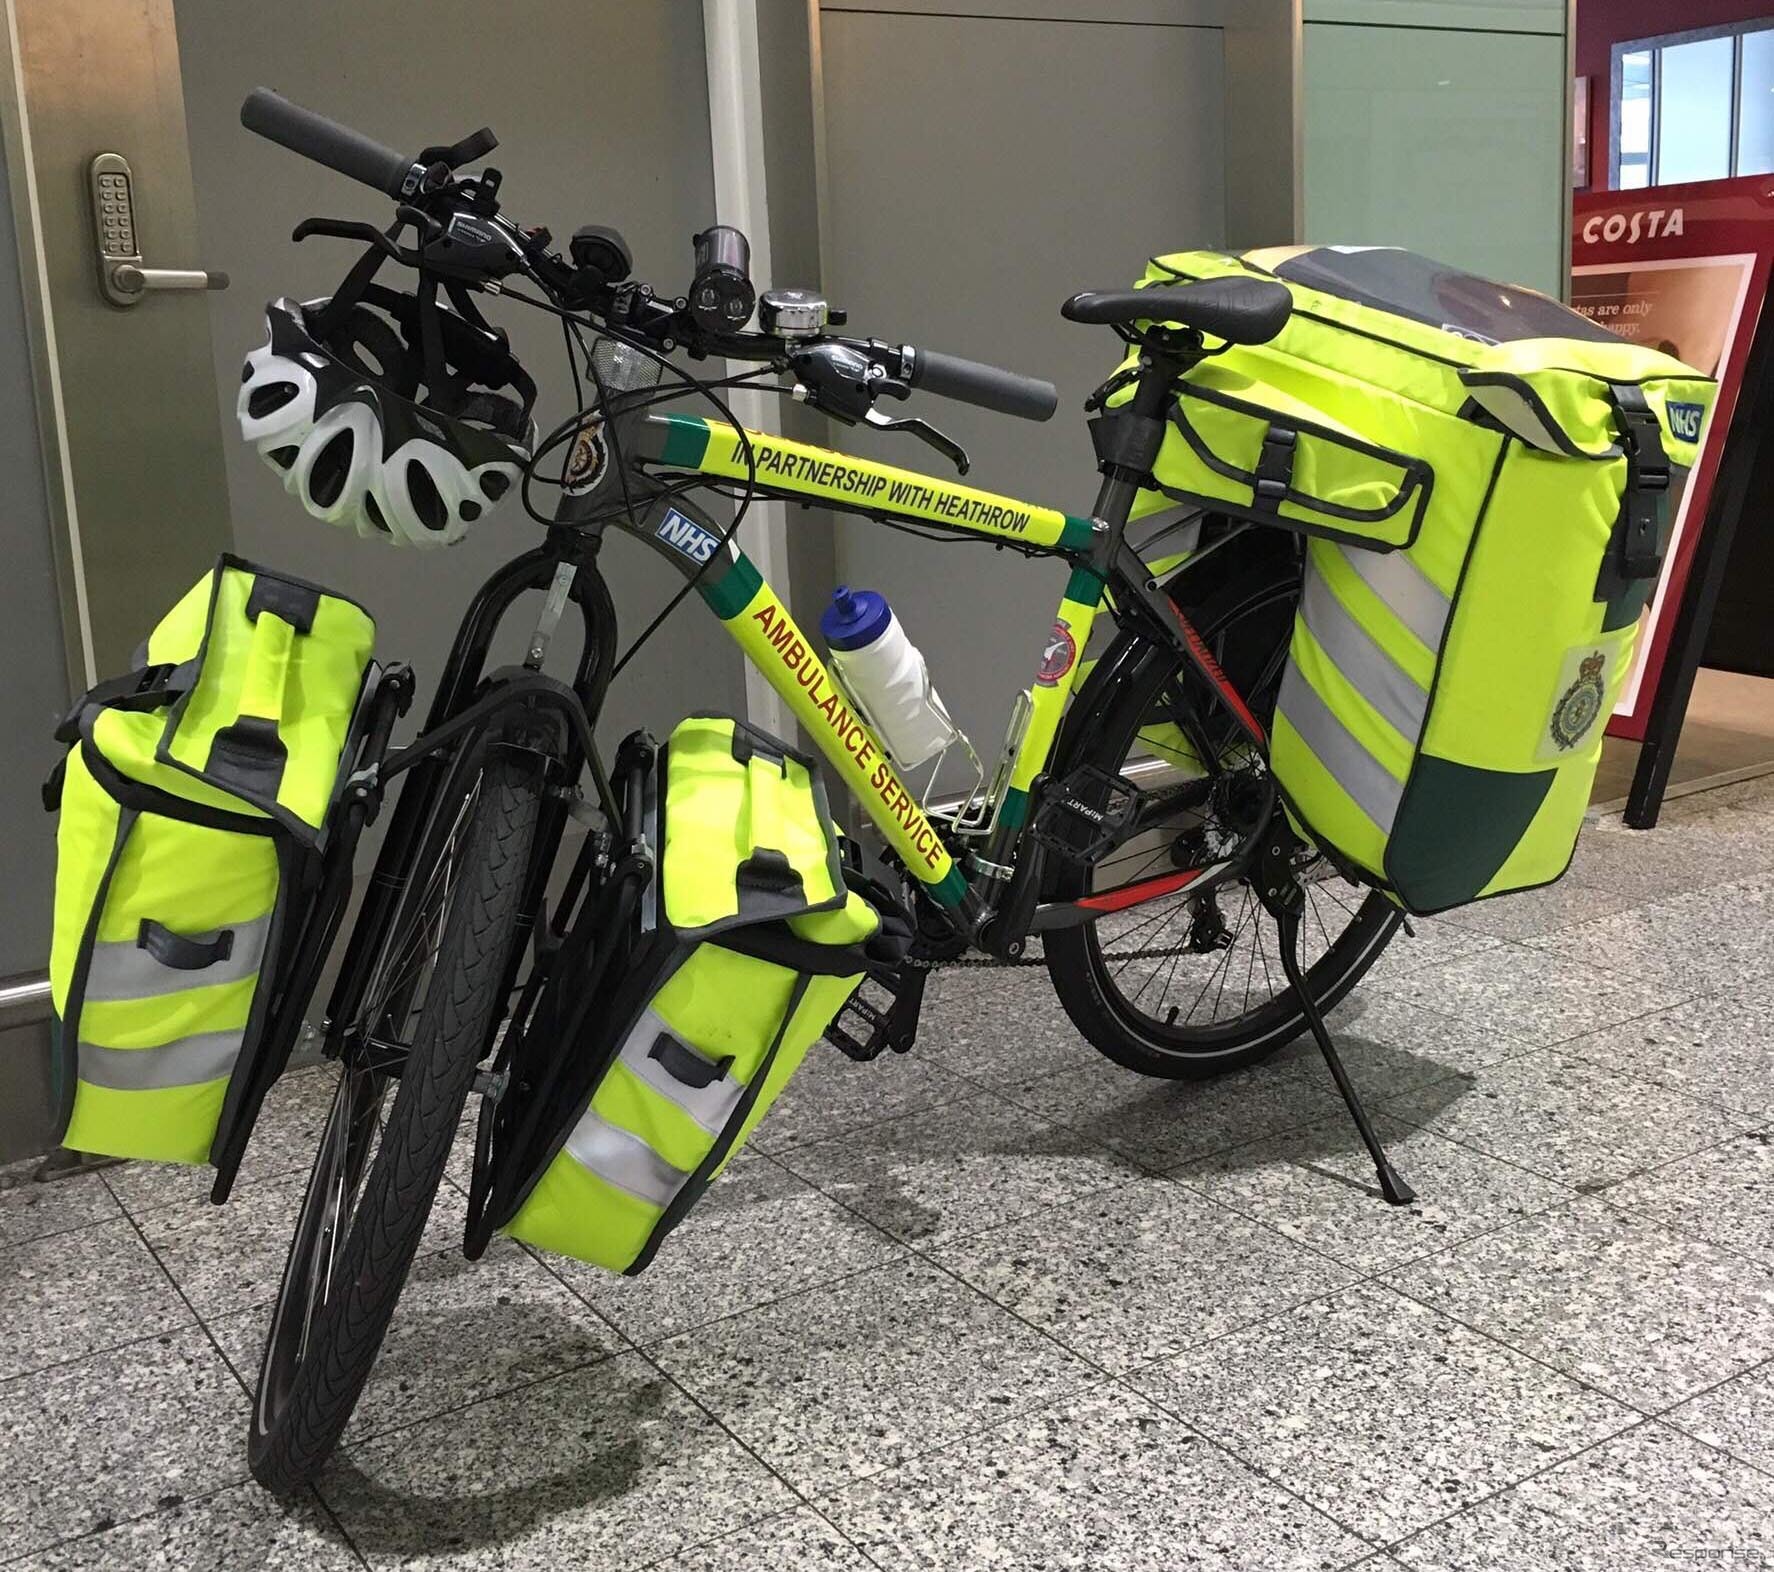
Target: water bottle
[(882, 670)]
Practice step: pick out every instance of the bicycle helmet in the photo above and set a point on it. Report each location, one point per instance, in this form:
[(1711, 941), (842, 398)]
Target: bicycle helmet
[(383, 411)]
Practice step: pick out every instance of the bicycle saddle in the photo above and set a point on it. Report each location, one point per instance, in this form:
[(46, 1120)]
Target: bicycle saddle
[(1239, 310)]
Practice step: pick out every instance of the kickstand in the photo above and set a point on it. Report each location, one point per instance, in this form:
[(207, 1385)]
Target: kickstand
[(1396, 1191), (1281, 893)]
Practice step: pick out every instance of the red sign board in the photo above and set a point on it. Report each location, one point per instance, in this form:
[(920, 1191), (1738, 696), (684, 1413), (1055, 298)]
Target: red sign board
[(1685, 269)]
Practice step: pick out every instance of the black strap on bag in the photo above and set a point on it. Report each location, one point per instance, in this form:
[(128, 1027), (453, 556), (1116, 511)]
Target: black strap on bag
[(1273, 477), (146, 688), (1637, 546)]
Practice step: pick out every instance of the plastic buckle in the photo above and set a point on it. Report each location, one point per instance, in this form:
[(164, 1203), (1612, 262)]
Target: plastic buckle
[(1647, 480), (1274, 474)]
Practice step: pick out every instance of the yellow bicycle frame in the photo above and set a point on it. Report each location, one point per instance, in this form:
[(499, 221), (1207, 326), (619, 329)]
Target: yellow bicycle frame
[(772, 641)]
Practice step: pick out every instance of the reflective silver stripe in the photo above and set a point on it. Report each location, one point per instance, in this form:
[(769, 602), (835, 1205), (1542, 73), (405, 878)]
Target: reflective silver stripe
[(624, 1160), (122, 969), (186, 1061), (710, 1106), (1374, 674), (1353, 768), (1401, 584)]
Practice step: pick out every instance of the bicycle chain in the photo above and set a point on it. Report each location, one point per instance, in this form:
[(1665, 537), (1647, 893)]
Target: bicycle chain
[(977, 962)]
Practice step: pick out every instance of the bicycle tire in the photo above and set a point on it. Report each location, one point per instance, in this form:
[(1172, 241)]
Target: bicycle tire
[(1076, 964), (287, 1449)]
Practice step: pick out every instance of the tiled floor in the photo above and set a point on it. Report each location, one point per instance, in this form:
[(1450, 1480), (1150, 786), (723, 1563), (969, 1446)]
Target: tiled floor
[(1003, 1305)]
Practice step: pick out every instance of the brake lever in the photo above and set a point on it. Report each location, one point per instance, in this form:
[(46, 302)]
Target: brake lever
[(354, 229), (920, 428)]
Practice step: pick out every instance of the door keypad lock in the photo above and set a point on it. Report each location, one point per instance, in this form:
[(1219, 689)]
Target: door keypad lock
[(123, 280)]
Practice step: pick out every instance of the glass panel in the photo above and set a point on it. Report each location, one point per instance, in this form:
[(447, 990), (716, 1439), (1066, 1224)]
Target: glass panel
[(1755, 111), (1635, 119), (1397, 118), (1694, 111)]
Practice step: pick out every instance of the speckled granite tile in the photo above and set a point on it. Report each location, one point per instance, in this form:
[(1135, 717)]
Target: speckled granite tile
[(1725, 1195), (230, 1531), (1138, 1273), (228, 1258), (1390, 1045), (759, 1235), (33, 1211), (845, 1381), (69, 1295), (1527, 914), (89, 1445), (1005, 1035), (1317, 1185), (1646, 1501), (958, 1169), (283, 1142), (1690, 944), (1753, 797), (1573, 1121), (464, 1330), (1718, 1048), (612, 1462), (1101, 1483), (1379, 1411), (1649, 1316), (1162, 1123), (1736, 1416), (1431, 941), (1651, 865), (1513, 990), (798, 1541), (831, 1094)]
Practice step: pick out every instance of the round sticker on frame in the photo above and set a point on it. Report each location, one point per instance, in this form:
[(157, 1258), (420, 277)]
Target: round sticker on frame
[(1057, 655), (586, 466)]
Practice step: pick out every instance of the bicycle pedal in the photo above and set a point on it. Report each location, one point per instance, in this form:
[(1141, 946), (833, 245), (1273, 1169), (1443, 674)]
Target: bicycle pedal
[(1084, 814), (864, 1030)]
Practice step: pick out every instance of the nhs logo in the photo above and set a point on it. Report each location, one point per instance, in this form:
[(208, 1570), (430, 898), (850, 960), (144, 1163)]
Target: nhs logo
[(686, 536), (1684, 420)]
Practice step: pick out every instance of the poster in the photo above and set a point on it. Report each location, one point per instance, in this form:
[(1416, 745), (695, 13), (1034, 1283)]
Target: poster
[(1683, 269)]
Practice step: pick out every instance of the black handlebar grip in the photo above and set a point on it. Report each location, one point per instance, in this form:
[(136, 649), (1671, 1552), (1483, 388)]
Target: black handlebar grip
[(325, 141), (973, 382)]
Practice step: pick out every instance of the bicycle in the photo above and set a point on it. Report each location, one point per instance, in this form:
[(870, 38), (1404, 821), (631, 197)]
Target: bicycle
[(1130, 823)]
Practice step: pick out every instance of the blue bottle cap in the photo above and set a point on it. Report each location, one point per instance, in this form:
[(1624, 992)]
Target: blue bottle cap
[(854, 618)]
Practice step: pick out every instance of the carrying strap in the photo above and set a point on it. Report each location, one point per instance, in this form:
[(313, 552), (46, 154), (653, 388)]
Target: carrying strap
[(1637, 543), (249, 754), (146, 688)]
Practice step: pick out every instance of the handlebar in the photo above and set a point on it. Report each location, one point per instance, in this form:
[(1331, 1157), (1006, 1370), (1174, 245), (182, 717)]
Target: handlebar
[(274, 117), (710, 320), (974, 382)]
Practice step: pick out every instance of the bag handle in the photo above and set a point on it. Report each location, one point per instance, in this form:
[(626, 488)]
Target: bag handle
[(248, 755)]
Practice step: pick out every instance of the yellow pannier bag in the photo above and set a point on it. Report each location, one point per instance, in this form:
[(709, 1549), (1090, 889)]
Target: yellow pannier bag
[(1486, 480), (193, 802), (750, 942)]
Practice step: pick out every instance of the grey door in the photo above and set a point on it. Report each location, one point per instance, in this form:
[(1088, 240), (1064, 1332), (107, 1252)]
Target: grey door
[(979, 170), (117, 498)]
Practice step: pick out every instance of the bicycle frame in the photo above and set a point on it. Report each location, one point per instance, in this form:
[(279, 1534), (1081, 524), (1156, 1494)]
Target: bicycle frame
[(660, 451)]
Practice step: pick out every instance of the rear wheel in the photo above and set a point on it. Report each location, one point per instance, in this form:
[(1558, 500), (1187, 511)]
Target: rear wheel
[(1187, 986), (427, 1015)]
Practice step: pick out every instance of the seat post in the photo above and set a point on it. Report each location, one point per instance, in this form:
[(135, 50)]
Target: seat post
[(1128, 436)]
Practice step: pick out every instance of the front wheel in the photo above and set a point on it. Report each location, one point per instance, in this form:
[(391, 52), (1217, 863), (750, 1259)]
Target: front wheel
[(428, 1011), (1187, 986)]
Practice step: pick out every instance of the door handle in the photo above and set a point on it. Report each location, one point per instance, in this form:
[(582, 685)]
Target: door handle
[(122, 278), (132, 280)]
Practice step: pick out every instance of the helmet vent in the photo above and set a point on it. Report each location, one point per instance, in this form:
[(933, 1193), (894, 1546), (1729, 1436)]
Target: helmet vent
[(428, 503), (327, 479), (495, 484), (273, 396), (374, 513), (283, 457), (470, 512)]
